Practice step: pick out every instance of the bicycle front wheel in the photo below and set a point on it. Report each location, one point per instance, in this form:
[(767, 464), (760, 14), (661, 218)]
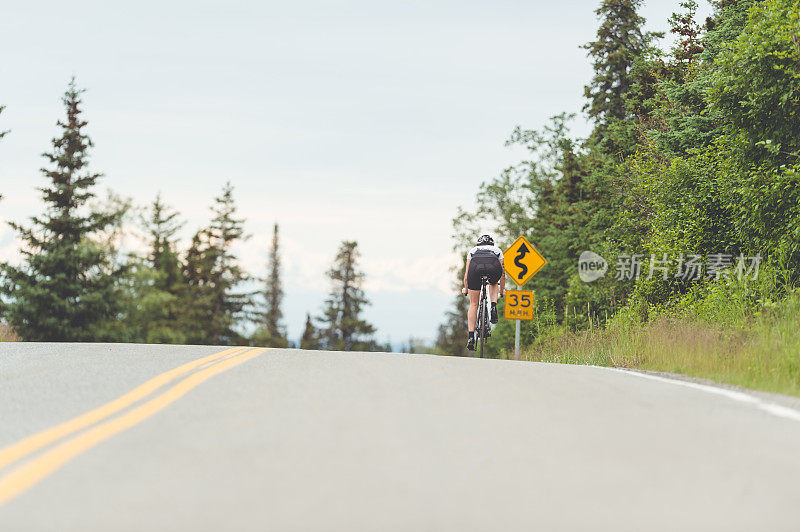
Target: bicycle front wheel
[(482, 323)]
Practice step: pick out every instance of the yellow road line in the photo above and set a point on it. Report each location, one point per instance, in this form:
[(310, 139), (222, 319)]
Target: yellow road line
[(41, 439), (28, 474)]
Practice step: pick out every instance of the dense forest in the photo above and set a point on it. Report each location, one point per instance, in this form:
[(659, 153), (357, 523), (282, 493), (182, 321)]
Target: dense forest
[(77, 283), (688, 185)]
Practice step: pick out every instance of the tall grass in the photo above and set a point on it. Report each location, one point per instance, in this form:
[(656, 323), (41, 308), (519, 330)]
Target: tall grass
[(726, 332)]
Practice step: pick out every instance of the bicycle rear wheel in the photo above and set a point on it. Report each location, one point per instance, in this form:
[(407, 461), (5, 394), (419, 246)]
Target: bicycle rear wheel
[(482, 320)]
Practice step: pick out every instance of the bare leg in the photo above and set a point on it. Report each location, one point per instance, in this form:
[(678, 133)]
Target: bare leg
[(472, 313)]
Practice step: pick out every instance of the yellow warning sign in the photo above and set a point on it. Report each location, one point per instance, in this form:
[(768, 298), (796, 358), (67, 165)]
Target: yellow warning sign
[(519, 305), (522, 261)]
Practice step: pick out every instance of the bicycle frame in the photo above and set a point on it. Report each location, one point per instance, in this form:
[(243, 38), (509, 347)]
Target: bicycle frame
[(482, 323)]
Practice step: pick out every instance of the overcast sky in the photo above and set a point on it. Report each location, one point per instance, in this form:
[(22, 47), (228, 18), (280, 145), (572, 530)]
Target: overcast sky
[(370, 121)]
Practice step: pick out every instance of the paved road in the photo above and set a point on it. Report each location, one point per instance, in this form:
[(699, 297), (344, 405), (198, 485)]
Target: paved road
[(286, 440)]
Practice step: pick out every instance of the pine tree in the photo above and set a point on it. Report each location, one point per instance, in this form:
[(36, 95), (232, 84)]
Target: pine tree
[(621, 90), (197, 299), (344, 328), (310, 338), (272, 333), (677, 114), (162, 225), (157, 286), (214, 276), (65, 289), (725, 25), (686, 27), (620, 40), (229, 305)]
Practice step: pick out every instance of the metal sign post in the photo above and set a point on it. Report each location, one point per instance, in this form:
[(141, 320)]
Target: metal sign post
[(518, 306), (516, 338)]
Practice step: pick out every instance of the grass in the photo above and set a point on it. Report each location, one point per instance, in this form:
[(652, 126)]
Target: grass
[(759, 351)]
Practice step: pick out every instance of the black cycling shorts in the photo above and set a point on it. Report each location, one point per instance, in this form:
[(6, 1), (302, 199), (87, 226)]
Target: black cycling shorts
[(480, 266)]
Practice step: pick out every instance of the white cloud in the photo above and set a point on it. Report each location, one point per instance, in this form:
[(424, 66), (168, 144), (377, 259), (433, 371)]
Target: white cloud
[(410, 274), (305, 266)]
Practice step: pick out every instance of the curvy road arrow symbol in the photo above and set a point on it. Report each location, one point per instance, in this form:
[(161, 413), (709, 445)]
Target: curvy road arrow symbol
[(521, 252)]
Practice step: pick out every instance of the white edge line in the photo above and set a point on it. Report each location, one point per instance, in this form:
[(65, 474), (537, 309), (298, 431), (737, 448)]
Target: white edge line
[(771, 408)]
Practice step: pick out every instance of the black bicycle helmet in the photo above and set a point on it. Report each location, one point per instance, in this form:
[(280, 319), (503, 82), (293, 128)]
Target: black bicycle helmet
[(485, 240)]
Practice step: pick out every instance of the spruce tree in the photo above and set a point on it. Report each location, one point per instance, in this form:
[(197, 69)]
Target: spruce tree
[(65, 288), (214, 276), (197, 272), (689, 31), (620, 40), (157, 287), (618, 92), (682, 120), (344, 329), (271, 333), (162, 226), (725, 25), (310, 338), (274, 290), (230, 305)]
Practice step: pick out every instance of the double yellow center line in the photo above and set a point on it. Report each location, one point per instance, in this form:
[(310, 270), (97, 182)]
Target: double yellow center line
[(100, 424)]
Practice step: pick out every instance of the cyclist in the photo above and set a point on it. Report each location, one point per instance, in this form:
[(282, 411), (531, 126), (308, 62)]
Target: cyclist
[(485, 259)]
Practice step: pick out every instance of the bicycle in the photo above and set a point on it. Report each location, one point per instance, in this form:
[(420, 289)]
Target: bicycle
[(482, 327)]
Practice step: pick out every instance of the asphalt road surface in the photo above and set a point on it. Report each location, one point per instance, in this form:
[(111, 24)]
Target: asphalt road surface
[(140, 438)]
